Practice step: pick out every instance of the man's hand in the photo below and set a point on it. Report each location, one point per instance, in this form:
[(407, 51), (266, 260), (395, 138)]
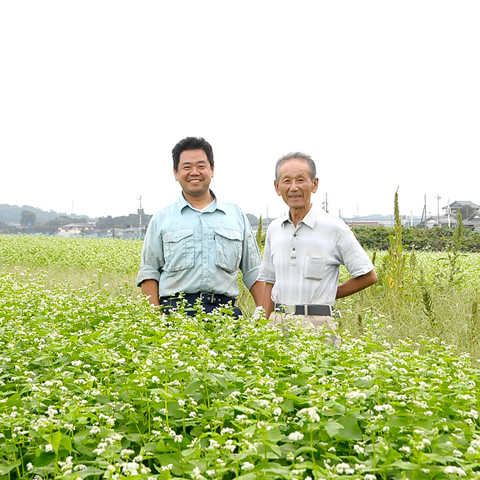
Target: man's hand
[(354, 285), (150, 289)]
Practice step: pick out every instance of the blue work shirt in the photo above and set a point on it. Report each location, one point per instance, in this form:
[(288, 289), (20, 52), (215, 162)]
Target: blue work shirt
[(192, 251)]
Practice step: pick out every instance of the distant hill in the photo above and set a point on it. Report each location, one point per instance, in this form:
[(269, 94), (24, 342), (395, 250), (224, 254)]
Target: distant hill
[(13, 213)]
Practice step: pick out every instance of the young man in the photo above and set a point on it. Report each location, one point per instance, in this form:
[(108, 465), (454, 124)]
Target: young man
[(304, 251), (196, 246)]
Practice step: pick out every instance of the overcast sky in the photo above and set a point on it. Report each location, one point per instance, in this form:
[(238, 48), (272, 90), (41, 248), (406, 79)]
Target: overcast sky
[(382, 94)]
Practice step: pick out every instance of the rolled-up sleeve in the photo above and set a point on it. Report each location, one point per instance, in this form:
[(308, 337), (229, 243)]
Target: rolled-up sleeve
[(267, 272), (250, 264), (152, 259)]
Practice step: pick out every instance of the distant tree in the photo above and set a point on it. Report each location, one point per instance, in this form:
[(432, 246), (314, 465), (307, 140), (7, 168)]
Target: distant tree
[(104, 223), (260, 235), (27, 218)]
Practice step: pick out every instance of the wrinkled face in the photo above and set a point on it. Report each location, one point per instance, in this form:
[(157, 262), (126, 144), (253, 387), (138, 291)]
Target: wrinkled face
[(295, 184), (194, 172)]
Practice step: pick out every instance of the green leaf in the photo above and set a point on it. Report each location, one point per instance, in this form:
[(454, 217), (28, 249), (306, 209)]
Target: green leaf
[(8, 467), (302, 450), (333, 428), (54, 440), (351, 430), (193, 387), (88, 471), (14, 400), (44, 459)]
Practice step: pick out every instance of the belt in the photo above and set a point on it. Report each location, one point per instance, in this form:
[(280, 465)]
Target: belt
[(211, 298), (323, 310)]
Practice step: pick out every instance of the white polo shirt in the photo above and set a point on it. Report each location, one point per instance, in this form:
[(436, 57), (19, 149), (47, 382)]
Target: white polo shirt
[(303, 262)]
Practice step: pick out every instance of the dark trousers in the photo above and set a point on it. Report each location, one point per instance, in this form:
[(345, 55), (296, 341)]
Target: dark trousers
[(209, 303)]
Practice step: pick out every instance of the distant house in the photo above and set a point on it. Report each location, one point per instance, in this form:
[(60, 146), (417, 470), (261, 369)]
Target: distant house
[(467, 209), (473, 222), (470, 216), (75, 229), (470, 213)]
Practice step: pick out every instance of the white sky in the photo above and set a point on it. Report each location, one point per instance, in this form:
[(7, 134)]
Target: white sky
[(382, 94)]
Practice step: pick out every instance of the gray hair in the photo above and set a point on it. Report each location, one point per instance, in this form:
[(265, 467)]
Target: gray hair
[(299, 156)]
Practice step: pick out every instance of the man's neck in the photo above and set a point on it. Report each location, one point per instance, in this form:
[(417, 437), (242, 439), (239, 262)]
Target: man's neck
[(199, 202), (298, 214)]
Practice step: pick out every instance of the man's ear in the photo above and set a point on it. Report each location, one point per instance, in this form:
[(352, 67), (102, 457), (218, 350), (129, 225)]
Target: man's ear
[(315, 185), (175, 173), (275, 184)]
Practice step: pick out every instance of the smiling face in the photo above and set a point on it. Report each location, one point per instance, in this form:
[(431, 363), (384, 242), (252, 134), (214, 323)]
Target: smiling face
[(295, 185), (194, 173)]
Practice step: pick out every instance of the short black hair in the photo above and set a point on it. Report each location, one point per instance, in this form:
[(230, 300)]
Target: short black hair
[(191, 143)]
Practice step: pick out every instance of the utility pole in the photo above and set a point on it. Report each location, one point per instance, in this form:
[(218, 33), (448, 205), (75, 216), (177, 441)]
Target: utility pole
[(438, 210), (325, 204), (140, 212), (448, 213), (423, 221)]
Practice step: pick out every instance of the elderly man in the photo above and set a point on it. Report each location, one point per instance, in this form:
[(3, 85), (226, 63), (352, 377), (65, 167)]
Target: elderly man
[(304, 251), (194, 248)]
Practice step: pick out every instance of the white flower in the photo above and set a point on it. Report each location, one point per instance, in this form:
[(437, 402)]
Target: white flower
[(454, 471), (126, 452), (295, 436), (345, 468), (247, 466), (384, 408), (355, 395), (311, 413), (359, 449)]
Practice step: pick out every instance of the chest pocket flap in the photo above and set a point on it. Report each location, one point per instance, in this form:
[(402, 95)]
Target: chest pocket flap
[(228, 245), (179, 250)]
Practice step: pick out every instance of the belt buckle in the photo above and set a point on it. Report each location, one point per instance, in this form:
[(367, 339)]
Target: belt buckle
[(290, 309), (210, 297)]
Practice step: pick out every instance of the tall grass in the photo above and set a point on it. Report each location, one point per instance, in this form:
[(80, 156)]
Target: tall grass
[(419, 293)]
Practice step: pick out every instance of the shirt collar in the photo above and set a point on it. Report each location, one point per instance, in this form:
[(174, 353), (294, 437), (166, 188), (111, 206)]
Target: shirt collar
[(215, 205), (309, 219)]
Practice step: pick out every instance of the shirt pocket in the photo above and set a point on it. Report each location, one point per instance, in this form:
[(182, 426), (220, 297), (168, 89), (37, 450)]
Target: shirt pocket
[(314, 267), (179, 250), (228, 245)]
